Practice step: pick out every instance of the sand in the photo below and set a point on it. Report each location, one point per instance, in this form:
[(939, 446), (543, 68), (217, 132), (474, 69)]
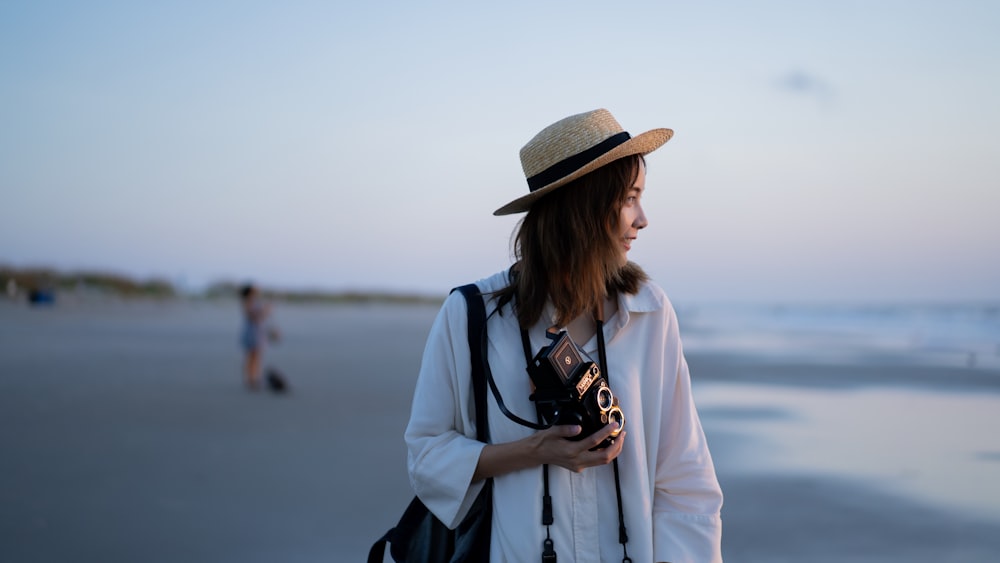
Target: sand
[(127, 436)]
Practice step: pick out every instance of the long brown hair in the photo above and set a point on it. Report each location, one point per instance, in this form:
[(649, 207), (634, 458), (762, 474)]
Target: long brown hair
[(567, 248)]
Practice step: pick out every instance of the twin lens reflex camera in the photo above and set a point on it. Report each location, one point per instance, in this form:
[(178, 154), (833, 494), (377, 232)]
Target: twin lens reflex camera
[(569, 389)]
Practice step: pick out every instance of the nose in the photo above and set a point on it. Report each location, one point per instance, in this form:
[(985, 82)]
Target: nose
[(640, 219)]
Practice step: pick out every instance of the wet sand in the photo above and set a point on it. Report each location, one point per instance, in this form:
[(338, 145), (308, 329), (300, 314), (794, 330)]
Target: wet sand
[(127, 436)]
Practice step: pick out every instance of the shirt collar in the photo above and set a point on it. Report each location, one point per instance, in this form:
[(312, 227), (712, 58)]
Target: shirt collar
[(646, 300)]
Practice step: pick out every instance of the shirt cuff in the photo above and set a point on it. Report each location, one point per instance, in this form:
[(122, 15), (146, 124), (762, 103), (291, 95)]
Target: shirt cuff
[(449, 493), (687, 538)]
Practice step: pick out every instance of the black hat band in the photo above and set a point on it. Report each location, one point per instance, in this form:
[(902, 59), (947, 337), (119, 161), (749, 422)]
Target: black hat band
[(571, 164)]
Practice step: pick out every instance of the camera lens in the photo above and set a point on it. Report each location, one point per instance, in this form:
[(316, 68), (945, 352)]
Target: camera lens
[(616, 415), (605, 400)]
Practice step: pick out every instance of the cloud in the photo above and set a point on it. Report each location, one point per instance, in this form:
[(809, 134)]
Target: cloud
[(801, 83)]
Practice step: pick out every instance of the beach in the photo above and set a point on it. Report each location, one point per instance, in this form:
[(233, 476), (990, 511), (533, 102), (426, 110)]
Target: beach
[(127, 435)]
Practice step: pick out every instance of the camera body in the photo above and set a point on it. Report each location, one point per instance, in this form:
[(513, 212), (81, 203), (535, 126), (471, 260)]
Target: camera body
[(570, 389)]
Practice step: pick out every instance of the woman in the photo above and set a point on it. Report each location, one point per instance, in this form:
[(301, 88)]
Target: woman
[(586, 177)]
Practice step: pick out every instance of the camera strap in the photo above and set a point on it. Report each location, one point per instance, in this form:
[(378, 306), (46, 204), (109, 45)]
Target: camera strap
[(602, 356), (548, 547), (496, 392)]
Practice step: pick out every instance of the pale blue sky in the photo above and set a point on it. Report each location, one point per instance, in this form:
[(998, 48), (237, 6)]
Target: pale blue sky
[(823, 150)]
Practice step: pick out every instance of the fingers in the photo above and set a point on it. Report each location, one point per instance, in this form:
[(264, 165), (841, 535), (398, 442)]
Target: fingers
[(616, 446), (611, 451), (589, 457), (588, 443), (567, 430), (577, 455), (604, 433)]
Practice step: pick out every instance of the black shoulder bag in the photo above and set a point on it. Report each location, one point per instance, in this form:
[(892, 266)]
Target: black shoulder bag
[(419, 536)]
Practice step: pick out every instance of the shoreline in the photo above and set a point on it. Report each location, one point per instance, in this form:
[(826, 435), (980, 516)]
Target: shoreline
[(881, 371)]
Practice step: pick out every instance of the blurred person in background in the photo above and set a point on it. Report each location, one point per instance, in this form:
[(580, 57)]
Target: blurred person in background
[(255, 333)]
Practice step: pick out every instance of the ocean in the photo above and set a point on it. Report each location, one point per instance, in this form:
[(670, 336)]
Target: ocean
[(947, 335)]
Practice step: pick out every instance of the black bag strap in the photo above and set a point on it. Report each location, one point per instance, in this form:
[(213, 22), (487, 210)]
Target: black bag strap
[(480, 356), (477, 347)]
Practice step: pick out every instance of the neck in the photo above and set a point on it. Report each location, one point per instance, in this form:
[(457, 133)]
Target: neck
[(583, 328)]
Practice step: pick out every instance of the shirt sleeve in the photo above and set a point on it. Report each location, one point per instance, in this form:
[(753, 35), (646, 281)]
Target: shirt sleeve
[(687, 501), (442, 452)]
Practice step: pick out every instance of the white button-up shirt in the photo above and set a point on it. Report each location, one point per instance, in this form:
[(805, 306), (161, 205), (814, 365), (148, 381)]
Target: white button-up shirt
[(671, 496)]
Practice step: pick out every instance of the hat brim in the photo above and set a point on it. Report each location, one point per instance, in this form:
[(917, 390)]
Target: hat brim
[(640, 144)]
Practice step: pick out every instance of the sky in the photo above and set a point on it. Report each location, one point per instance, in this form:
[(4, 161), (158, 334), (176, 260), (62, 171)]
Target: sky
[(823, 151)]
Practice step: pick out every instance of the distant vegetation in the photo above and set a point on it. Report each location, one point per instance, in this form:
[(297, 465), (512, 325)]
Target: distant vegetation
[(28, 282), (230, 289)]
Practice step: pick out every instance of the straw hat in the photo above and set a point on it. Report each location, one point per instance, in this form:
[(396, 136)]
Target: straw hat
[(574, 146)]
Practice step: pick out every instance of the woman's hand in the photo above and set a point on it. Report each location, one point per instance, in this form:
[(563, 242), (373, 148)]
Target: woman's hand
[(548, 447), (555, 449)]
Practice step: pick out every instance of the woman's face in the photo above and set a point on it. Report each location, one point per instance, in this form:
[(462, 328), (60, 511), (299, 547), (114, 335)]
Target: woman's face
[(631, 217)]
